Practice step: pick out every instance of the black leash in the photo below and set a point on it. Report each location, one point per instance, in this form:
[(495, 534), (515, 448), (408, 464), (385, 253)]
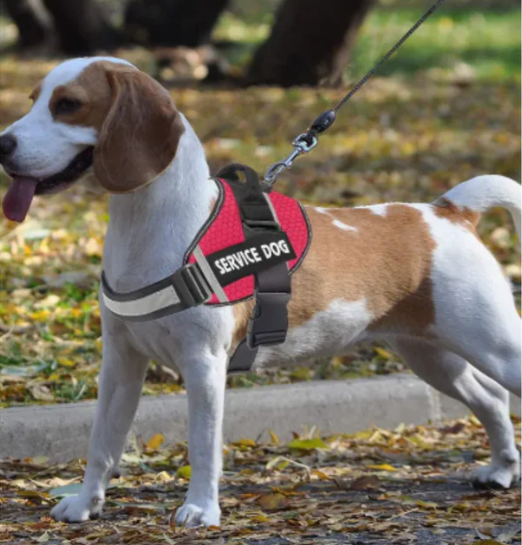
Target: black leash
[(308, 140)]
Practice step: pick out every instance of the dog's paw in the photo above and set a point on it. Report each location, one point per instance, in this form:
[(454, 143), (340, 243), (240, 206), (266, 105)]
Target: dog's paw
[(191, 515), (499, 477), (77, 509)]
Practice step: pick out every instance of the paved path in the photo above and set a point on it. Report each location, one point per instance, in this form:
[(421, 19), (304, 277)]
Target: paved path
[(376, 487)]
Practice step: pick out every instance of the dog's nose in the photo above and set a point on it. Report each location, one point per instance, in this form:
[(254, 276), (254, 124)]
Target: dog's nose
[(7, 146)]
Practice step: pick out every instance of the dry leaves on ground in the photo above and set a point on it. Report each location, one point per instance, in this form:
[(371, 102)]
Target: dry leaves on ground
[(376, 487)]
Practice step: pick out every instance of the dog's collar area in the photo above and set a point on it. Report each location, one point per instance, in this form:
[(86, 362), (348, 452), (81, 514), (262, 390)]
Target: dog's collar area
[(241, 245)]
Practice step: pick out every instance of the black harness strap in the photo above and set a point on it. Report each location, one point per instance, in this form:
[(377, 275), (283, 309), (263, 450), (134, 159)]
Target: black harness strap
[(268, 324)]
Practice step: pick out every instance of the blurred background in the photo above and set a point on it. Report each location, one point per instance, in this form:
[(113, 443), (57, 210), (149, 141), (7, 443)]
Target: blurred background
[(250, 75)]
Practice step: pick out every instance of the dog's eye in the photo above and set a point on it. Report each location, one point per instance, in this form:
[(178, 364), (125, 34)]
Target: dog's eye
[(67, 105)]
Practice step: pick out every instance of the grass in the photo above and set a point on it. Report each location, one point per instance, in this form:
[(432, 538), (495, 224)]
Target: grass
[(487, 39)]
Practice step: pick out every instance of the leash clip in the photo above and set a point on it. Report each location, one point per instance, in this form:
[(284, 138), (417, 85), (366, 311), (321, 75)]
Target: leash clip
[(302, 144)]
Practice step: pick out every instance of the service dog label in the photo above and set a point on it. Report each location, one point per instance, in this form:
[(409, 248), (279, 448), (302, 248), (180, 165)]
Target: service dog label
[(254, 255)]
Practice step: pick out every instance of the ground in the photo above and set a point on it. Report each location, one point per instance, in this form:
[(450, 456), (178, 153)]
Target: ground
[(378, 487)]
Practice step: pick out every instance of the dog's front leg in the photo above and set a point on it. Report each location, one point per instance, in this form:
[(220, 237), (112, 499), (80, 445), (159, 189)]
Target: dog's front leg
[(205, 376), (121, 381)]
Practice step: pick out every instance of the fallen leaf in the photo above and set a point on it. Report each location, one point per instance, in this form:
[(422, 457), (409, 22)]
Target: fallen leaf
[(307, 444), (155, 441), (185, 472), (273, 502), (68, 490), (383, 467), (44, 538), (245, 443), (365, 483)]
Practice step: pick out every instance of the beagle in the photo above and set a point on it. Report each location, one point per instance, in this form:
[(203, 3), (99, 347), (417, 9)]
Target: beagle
[(414, 275)]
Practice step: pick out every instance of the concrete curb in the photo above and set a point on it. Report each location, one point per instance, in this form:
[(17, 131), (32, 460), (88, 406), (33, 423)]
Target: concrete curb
[(61, 432)]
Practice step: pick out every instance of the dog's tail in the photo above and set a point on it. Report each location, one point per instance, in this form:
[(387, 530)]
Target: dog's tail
[(484, 192)]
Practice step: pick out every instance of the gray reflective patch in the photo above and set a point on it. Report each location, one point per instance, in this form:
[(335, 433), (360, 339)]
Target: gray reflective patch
[(144, 305)]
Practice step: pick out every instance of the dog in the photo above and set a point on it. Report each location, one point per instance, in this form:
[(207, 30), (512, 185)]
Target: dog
[(413, 275)]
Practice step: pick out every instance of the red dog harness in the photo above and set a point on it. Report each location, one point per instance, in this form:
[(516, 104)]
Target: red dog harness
[(249, 247)]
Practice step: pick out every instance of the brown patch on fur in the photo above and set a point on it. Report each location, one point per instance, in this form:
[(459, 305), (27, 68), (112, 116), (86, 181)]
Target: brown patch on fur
[(139, 126), (92, 89), (444, 208), (387, 261), (242, 313), (35, 93)]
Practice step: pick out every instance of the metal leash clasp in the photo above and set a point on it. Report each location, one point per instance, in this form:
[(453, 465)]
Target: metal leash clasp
[(302, 144)]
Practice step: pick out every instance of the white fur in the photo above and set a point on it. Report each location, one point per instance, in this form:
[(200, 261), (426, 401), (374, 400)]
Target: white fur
[(332, 331), (343, 226), (336, 222), (148, 234), (378, 209)]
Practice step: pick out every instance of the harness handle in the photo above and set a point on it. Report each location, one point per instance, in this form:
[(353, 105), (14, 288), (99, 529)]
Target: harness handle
[(308, 140)]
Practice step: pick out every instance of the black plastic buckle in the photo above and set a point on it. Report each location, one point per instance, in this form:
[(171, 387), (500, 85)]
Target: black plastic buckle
[(191, 286), (269, 322)]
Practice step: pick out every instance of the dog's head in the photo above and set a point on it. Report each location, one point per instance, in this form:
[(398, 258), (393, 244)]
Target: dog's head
[(99, 112)]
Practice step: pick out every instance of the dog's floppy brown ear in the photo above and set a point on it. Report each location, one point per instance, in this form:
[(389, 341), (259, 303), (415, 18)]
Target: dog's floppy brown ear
[(140, 134)]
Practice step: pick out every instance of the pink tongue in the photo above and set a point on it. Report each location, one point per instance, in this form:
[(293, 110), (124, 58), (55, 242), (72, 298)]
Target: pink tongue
[(18, 198)]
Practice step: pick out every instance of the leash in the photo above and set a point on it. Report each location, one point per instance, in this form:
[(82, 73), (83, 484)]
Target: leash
[(308, 140)]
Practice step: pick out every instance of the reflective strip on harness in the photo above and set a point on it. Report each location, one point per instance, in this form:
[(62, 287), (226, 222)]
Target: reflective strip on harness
[(148, 304), (186, 288)]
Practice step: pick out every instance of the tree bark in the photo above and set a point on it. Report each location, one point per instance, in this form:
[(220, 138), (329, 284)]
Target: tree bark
[(310, 43), (172, 23), (81, 26), (29, 17)]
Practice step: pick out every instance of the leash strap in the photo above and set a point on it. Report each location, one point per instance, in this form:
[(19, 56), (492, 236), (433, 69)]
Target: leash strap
[(307, 141)]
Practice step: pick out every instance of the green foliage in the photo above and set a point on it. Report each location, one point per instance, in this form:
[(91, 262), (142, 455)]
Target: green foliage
[(482, 36)]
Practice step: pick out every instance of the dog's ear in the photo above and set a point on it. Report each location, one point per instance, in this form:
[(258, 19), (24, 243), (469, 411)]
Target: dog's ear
[(140, 134)]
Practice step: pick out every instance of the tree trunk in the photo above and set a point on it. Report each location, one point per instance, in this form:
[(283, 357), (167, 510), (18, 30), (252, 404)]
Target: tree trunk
[(171, 23), (310, 43), (30, 18), (81, 26)]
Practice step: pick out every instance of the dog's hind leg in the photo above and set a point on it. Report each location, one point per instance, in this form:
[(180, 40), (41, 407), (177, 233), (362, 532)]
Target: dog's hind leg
[(475, 315), (204, 372), (489, 340), (455, 377), (121, 380)]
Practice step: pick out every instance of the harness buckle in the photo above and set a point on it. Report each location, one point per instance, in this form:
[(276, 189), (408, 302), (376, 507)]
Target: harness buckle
[(269, 323), (191, 285)]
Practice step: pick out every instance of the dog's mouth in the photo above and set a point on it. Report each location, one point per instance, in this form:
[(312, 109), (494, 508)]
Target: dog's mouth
[(19, 196)]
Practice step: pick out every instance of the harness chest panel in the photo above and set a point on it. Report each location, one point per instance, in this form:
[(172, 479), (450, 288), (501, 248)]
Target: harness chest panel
[(249, 247), (224, 229)]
